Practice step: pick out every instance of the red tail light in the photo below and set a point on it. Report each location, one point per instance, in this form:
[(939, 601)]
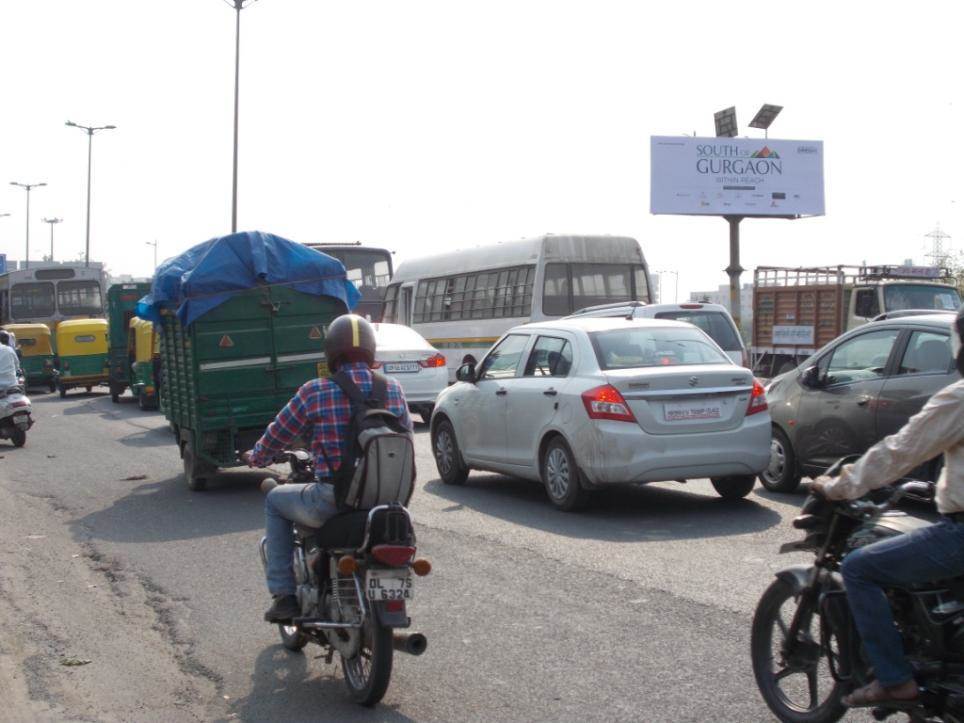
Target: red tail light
[(606, 402), (433, 362), (18, 404), (758, 399), (393, 555), (394, 606)]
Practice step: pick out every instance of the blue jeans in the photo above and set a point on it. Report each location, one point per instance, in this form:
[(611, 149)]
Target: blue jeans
[(307, 504), (925, 555)]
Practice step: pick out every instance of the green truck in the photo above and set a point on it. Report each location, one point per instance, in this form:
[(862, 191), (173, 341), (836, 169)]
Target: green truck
[(231, 360), (121, 308)]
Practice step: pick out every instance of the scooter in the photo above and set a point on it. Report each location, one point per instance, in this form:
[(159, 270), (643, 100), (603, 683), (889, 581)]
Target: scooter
[(16, 415)]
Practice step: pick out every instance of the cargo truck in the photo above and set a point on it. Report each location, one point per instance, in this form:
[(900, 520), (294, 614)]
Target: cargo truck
[(796, 311)]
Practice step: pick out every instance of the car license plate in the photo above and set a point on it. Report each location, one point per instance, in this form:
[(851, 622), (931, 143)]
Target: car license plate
[(401, 367), (388, 585), (692, 411)]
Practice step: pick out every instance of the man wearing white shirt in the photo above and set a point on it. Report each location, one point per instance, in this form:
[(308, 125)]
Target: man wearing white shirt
[(9, 363)]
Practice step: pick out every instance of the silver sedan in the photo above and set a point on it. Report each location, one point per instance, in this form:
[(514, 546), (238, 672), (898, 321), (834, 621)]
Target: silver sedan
[(582, 403)]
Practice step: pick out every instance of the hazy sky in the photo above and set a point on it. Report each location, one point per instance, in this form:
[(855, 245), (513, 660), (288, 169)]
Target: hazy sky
[(428, 125)]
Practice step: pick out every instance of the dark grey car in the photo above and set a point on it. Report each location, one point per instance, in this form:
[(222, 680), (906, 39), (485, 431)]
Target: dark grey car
[(861, 387)]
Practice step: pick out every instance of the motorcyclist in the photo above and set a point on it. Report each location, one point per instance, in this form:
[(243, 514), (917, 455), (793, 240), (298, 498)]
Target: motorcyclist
[(319, 414), (924, 555), (9, 363)]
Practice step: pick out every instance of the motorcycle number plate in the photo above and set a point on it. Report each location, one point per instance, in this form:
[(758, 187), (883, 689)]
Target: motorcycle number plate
[(385, 585)]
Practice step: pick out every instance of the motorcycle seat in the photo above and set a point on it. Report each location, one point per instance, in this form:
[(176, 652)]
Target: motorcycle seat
[(344, 530)]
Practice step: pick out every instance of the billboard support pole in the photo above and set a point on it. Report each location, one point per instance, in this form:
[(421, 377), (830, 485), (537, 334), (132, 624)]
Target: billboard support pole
[(734, 270)]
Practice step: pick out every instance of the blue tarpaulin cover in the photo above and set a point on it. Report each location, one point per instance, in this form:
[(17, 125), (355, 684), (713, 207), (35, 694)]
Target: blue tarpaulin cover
[(207, 275)]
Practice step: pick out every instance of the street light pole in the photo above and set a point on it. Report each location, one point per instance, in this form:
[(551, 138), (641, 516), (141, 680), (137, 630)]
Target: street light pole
[(52, 222), (90, 130), (27, 187), (154, 244), (238, 6)]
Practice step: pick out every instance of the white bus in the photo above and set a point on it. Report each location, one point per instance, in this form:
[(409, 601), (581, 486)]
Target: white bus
[(49, 292), (463, 301)]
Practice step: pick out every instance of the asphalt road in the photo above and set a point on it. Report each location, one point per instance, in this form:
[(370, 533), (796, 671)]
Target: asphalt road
[(637, 609)]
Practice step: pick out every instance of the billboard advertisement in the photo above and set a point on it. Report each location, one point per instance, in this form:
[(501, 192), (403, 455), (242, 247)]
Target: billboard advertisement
[(736, 176)]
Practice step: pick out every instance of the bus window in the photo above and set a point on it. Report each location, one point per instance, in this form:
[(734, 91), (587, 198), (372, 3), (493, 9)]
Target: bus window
[(599, 284), (32, 300), (391, 303), (556, 293), (79, 297)]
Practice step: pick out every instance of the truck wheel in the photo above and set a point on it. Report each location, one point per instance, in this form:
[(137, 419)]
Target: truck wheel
[(196, 472), (781, 475), (52, 387), (63, 390)]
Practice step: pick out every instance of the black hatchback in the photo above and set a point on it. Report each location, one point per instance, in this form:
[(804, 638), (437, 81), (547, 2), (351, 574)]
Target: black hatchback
[(855, 391)]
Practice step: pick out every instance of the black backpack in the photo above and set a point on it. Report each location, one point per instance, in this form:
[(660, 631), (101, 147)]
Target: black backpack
[(378, 458)]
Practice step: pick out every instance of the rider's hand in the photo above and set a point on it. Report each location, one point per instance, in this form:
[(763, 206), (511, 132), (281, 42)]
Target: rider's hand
[(246, 458), (819, 486)]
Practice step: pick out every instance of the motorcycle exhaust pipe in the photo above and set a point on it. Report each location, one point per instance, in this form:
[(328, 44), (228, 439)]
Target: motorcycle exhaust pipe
[(411, 643)]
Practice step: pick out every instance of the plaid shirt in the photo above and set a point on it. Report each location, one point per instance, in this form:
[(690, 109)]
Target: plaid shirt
[(321, 413)]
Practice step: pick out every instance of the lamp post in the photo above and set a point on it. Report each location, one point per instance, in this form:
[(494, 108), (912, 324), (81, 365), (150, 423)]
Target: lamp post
[(27, 187), (90, 130), (154, 244), (238, 6), (53, 222)]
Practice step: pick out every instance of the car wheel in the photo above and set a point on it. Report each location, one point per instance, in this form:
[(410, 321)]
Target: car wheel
[(734, 488), (781, 475), (562, 478), (451, 467)]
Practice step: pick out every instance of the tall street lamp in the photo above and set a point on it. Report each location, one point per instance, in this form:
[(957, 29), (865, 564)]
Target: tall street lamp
[(27, 187), (90, 130), (53, 222), (154, 244), (238, 6)]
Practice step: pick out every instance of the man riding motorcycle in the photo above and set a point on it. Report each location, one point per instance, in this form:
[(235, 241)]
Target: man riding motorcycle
[(319, 414), (9, 363), (925, 555)]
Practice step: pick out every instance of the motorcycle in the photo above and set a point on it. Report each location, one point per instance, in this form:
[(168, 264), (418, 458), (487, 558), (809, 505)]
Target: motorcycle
[(805, 647), (354, 580), (16, 415)]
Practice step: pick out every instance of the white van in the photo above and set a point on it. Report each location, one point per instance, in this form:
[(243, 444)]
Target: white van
[(463, 301)]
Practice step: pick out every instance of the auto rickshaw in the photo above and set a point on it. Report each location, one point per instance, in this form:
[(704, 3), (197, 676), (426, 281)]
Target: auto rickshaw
[(35, 344), (82, 359), (144, 353)]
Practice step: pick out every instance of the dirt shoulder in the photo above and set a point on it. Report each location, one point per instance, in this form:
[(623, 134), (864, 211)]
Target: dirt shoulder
[(81, 638)]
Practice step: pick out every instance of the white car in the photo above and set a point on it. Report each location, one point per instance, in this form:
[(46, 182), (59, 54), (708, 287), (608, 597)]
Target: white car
[(403, 353), (582, 403)]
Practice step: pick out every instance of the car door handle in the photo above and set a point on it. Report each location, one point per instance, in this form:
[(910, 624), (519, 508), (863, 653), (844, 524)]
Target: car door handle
[(501, 392), (550, 392), (863, 401)]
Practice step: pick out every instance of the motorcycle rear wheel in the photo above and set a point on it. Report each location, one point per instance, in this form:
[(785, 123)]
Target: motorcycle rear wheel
[(18, 437), (778, 678), (368, 672)]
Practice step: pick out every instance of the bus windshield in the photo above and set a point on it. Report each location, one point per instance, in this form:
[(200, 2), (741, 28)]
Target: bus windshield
[(569, 287), (898, 297), (79, 297), (32, 300), (369, 270)]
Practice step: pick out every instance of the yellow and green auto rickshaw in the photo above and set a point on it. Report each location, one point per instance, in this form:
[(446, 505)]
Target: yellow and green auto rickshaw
[(81, 354), (144, 353), (35, 345)]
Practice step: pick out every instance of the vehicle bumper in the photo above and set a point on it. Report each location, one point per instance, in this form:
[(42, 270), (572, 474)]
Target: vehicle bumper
[(610, 452)]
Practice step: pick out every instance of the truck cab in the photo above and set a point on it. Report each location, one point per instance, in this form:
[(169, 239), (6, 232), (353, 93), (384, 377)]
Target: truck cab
[(866, 302)]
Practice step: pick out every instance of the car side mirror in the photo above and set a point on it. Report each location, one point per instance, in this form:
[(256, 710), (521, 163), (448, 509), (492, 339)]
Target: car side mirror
[(466, 373), (811, 378)]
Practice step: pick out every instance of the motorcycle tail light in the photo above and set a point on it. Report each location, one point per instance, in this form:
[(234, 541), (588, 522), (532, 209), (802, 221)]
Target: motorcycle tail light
[(393, 555), (433, 362), (347, 565), (758, 399), (394, 606), (18, 404), (421, 567)]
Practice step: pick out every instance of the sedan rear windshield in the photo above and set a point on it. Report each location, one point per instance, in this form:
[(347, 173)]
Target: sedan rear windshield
[(715, 324), (647, 347)]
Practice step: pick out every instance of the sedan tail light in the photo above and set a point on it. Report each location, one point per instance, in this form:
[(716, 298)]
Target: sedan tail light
[(758, 399), (433, 362), (606, 402)]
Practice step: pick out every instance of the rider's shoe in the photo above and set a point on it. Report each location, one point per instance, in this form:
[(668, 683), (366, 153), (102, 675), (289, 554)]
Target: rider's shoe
[(282, 609)]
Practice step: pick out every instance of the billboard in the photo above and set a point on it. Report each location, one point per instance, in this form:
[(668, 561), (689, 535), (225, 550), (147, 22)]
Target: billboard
[(736, 176)]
